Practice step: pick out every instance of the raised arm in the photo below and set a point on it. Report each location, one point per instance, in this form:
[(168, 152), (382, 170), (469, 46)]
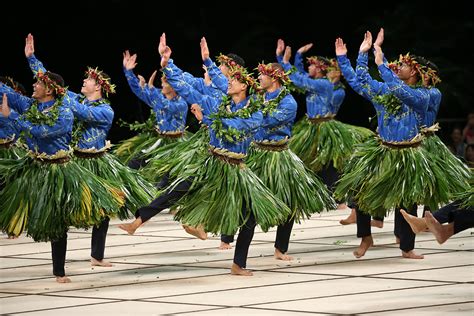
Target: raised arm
[(216, 75), (299, 64)]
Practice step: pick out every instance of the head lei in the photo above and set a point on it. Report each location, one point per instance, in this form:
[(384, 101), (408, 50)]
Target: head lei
[(50, 84), (226, 60), (98, 76), (320, 62), (241, 74), (15, 85), (420, 64), (275, 73), (333, 65)]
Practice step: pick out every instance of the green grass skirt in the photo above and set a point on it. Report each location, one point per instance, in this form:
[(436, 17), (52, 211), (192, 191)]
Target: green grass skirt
[(140, 146), (219, 193), (380, 178), (175, 159), (327, 142), (291, 181), (138, 191), (45, 199)]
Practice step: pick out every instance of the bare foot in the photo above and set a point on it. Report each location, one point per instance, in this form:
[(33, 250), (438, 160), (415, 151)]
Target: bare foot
[(196, 231), (411, 255), (130, 228), (63, 279), (351, 219), (365, 244), (100, 263), (397, 240), (417, 224), (441, 232), (12, 237), (225, 246), (282, 256), (236, 270), (376, 223)]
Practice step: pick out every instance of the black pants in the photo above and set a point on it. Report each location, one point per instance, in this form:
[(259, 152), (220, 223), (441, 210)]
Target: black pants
[(243, 241), (453, 213), (283, 235), (59, 247), (227, 238), (99, 235), (137, 163), (329, 175), (164, 201), (403, 230), (363, 223), (58, 254)]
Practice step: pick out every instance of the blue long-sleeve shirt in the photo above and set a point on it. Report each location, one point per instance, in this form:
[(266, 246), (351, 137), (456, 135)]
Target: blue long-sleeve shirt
[(210, 105), (277, 125), (8, 130), (170, 114), (433, 107), (219, 83), (97, 117), (319, 93), (399, 127), (44, 138)]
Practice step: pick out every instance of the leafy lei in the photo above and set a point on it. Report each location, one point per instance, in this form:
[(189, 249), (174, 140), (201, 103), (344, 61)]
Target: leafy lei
[(231, 134), (48, 116), (389, 101), (270, 105), (79, 126), (147, 126)]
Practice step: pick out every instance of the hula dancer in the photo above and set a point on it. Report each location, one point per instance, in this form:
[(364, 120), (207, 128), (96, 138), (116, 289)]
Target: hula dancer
[(45, 192), (168, 109), (243, 201), (391, 170), (276, 165), (322, 142)]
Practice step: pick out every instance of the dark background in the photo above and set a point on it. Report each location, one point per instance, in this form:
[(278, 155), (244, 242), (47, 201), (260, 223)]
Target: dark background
[(72, 35)]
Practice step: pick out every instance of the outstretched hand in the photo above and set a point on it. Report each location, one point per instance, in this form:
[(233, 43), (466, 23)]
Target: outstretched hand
[(129, 61), (204, 49), (162, 44), (341, 48), (378, 55), (280, 47), (197, 111), (380, 37), (366, 43), (305, 48), (29, 45), (5, 109), (152, 79), (287, 55)]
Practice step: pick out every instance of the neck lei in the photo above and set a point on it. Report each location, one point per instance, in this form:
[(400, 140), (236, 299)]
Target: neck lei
[(231, 134), (48, 116)]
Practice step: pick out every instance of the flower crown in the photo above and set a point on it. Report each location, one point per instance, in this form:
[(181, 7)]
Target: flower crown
[(226, 60), (242, 75), (333, 65), (275, 73), (50, 83), (424, 71), (320, 62), (13, 84), (98, 76)]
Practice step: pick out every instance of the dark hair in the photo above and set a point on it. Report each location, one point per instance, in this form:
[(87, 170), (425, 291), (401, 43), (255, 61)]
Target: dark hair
[(426, 62), (56, 78), (239, 60)]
